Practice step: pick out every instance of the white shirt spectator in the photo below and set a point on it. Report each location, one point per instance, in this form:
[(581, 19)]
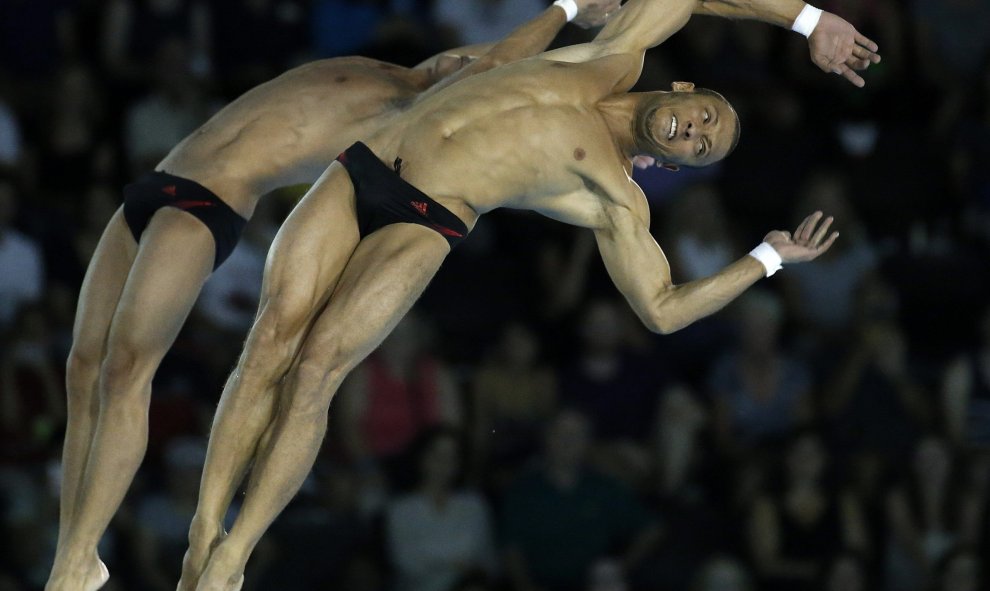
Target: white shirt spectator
[(485, 21), (22, 270), (230, 296), (434, 547)]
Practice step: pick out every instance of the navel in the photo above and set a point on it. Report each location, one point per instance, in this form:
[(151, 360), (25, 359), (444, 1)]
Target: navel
[(579, 153), (340, 79)]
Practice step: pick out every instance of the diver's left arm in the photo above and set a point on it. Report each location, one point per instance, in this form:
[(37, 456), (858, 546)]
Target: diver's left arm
[(836, 46)]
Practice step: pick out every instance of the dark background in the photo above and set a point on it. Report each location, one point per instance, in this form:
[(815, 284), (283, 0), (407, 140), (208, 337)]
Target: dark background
[(827, 431)]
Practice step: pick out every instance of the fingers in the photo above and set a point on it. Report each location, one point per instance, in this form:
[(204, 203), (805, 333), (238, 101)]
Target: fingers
[(828, 243), (807, 227), (821, 232), (858, 64), (849, 74), (865, 54), (868, 44)]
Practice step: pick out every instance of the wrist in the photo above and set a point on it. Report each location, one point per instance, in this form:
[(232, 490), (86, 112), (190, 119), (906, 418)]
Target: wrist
[(807, 20), (768, 257), (569, 7)]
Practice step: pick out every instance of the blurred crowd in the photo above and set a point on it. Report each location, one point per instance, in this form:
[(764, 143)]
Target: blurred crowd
[(520, 431)]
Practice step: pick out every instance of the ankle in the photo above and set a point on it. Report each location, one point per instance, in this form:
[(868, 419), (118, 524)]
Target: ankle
[(204, 531)]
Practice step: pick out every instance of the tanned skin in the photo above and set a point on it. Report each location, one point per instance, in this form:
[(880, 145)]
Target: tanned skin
[(135, 297), (553, 134)]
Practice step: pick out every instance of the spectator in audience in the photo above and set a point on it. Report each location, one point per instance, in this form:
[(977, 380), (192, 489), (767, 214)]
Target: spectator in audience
[(230, 296), (960, 570), (614, 385), (10, 137), (873, 402), (163, 516), (798, 524), (846, 572), (965, 395), (394, 395), (925, 516), (761, 393), (21, 265), (694, 525), (823, 295), (437, 534), (515, 393), (561, 517), (32, 404), (723, 574), (134, 31), (482, 21), (172, 110), (699, 234), (74, 130)]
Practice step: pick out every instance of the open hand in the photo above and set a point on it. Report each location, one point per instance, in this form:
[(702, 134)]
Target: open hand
[(595, 13), (838, 48), (806, 244)]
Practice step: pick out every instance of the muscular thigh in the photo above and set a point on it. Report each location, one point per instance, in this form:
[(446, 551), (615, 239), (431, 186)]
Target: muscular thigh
[(102, 287), (311, 249), (174, 259), (383, 279)]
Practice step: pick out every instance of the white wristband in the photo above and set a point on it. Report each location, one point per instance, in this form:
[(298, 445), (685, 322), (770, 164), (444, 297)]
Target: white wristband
[(570, 8), (768, 257), (806, 22)]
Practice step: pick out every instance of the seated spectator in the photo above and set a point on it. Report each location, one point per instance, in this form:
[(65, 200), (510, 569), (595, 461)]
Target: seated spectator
[(872, 401), (846, 572), (10, 137), (134, 30), (171, 111), (925, 516), (965, 395), (74, 129), (229, 299), (514, 394), (723, 574), (483, 21), (695, 526), (701, 241), (795, 528), (21, 265), (614, 385), (761, 393), (822, 293), (32, 401), (561, 517), (398, 392), (961, 570), (437, 534)]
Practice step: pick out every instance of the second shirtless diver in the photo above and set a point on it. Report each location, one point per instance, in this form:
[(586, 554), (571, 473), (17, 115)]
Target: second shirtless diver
[(554, 134), (180, 222)]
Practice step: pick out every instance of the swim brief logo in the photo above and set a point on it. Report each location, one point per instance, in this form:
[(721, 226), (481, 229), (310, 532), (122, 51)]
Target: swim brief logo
[(420, 207), (169, 190)]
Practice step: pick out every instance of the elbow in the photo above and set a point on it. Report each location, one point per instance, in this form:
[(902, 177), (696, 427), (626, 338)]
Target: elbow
[(660, 318), (660, 322)]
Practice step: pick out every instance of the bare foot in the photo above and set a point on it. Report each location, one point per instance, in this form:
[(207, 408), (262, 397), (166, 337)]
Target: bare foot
[(88, 578), (224, 571)]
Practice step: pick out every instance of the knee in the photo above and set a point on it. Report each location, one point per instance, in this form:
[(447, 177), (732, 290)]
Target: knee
[(317, 379), (271, 345), (120, 371), (82, 372)]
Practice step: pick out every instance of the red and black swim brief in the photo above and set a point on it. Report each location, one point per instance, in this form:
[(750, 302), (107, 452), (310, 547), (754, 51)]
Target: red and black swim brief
[(156, 190), (384, 198)]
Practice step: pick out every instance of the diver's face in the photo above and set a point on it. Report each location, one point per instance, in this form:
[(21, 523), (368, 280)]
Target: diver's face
[(689, 128)]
